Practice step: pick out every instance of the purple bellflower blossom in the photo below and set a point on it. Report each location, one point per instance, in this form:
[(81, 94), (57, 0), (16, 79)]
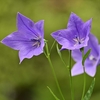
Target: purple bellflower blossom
[(28, 39), (91, 62), (76, 34)]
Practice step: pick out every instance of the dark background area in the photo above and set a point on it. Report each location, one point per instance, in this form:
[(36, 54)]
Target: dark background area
[(29, 80)]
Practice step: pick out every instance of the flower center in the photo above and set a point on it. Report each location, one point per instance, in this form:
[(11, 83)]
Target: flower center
[(36, 42), (77, 40)]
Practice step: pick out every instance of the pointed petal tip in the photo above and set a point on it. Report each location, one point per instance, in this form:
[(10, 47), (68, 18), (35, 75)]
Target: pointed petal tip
[(51, 34), (91, 75), (41, 21), (19, 14), (90, 20), (1, 41), (20, 60), (73, 14)]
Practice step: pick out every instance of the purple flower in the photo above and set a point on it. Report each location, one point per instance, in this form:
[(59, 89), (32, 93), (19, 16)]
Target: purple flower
[(91, 62), (28, 39), (76, 34)]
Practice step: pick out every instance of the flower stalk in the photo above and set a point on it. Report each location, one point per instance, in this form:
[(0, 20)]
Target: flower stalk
[(53, 71), (84, 85), (70, 77)]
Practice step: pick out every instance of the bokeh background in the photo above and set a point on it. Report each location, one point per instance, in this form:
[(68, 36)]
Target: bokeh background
[(29, 80)]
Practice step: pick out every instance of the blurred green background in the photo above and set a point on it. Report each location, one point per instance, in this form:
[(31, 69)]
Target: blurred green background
[(29, 80)]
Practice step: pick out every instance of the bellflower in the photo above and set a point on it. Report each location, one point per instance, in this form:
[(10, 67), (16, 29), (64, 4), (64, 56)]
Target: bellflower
[(28, 39), (91, 62), (76, 34)]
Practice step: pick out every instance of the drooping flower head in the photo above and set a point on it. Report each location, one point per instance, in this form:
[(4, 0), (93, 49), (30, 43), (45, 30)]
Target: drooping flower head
[(91, 62), (76, 34), (28, 39)]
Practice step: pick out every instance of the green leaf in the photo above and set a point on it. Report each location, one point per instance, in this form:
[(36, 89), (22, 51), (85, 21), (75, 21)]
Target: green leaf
[(53, 93), (59, 53), (85, 56), (52, 45), (58, 50), (90, 90)]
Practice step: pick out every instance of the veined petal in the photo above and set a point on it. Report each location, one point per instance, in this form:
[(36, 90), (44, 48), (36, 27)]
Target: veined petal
[(93, 45), (25, 25), (29, 53), (86, 28), (16, 40), (94, 58), (77, 55), (23, 21), (77, 69), (28, 39), (40, 27), (90, 67), (64, 37), (75, 22)]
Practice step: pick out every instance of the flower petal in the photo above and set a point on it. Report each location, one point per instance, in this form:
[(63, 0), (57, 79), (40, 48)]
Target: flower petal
[(86, 29), (90, 67), (23, 21), (77, 69), (77, 55), (93, 45), (17, 40), (64, 37), (40, 27), (29, 53), (75, 22), (25, 25)]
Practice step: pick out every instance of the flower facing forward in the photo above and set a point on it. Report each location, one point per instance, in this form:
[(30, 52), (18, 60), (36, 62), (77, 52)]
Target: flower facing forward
[(76, 34), (91, 62), (28, 39)]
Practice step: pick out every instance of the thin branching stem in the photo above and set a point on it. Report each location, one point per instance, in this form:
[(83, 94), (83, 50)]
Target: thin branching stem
[(53, 71), (84, 84), (70, 77)]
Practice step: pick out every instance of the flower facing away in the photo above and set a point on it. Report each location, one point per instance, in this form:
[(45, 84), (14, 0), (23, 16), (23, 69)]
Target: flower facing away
[(76, 34), (91, 62), (28, 39)]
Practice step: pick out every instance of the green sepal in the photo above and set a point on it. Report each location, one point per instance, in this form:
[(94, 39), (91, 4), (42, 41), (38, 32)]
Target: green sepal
[(59, 53)]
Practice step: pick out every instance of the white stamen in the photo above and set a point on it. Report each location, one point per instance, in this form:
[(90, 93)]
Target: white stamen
[(77, 40)]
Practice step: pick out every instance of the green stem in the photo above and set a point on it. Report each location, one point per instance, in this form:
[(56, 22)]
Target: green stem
[(53, 71), (69, 68), (52, 45), (84, 85)]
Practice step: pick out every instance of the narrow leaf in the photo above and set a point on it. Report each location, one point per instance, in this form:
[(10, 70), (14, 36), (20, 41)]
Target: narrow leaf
[(53, 94), (85, 56), (52, 45), (58, 50), (59, 53), (90, 90)]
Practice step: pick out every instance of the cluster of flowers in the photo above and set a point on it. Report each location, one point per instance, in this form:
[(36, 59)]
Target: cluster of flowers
[(29, 40)]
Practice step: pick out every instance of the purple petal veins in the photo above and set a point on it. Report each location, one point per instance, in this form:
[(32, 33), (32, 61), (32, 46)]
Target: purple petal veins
[(28, 39), (76, 34), (91, 62)]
